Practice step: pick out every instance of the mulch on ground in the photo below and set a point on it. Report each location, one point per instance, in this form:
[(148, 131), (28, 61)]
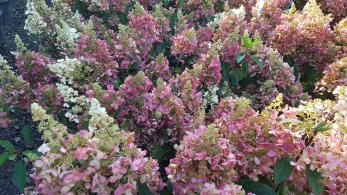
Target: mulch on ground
[(13, 134)]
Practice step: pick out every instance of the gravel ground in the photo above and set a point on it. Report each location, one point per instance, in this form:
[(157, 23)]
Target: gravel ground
[(16, 26)]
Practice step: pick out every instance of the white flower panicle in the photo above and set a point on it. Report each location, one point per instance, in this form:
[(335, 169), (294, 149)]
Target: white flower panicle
[(52, 131), (65, 68), (58, 23), (67, 36), (211, 96), (35, 23), (232, 14), (74, 103), (99, 118)]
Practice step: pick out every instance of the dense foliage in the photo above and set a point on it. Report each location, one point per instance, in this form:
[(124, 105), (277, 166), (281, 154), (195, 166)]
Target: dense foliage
[(184, 97)]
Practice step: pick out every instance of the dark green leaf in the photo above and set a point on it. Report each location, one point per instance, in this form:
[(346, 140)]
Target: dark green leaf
[(116, 86), (85, 124), (244, 69), (240, 57), (322, 126), (160, 48), (6, 108), (142, 189), (19, 175), (233, 80), (31, 155), (172, 19), (130, 6), (284, 190), (181, 3), (238, 74), (283, 169), (123, 17), (210, 18), (27, 135), (226, 71), (257, 61), (159, 152), (313, 178), (7, 145), (167, 190), (178, 69), (174, 89), (255, 187), (219, 6), (4, 158), (309, 77), (12, 157)]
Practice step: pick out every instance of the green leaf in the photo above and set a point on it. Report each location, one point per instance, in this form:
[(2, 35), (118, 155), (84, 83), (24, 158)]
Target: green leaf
[(172, 19), (226, 71), (160, 48), (142, 189), (322, 126), (240, 57), (219, 6), (313, 177), (167, 190), (159, 152), (256, 42), (12, 157), (239, 74), (244, 69), (130, 6), (257, 61), (32, 155), (19, 175), (181, 3), (123, 17), (27, 135), (233, 80), (177, 69), (284, 190), (7, 145), (247, 42), (283, 170), (210, 19), (174, 89), (4, 158), (85, 124), (255, 187), (116, 86)]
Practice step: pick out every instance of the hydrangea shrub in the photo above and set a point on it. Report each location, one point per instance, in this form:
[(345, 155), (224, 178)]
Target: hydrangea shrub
[(184, 97)]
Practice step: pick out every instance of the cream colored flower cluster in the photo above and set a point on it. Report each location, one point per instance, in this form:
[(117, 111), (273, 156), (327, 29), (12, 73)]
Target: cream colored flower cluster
[(52, 132), (74, 103)]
